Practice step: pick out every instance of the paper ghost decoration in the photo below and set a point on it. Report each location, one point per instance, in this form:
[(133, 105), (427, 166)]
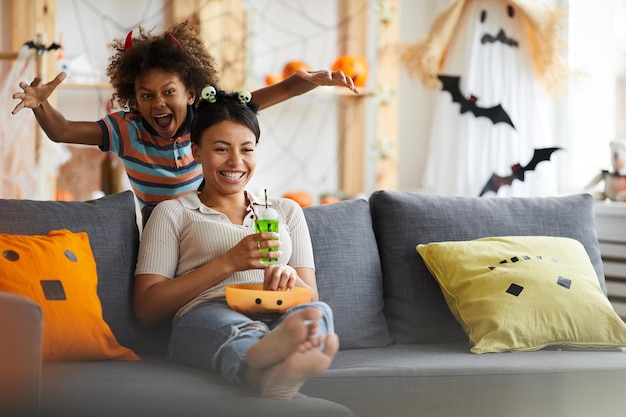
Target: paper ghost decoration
[(507, 58)]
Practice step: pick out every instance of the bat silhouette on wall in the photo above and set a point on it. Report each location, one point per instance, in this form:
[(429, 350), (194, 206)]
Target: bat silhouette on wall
[(496, 114), (496, 181), (40, 48)]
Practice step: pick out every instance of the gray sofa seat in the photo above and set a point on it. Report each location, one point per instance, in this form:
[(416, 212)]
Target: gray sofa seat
[(445, 380)]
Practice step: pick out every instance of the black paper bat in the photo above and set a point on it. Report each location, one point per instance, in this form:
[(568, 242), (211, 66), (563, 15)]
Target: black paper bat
[(496, 114), (40, 48), (496, 181)]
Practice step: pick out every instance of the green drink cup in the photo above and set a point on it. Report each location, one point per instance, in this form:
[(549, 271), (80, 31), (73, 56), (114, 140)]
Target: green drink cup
[(262, 225)]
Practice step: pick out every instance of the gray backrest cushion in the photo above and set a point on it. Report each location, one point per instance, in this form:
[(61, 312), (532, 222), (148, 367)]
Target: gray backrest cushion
[(414, 306), (110, 223), (348, 271)]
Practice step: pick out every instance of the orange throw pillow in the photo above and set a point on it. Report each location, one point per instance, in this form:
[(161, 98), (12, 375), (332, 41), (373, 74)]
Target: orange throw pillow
[(58, 271)]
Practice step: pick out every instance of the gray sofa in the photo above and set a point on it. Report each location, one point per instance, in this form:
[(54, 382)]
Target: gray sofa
[(402, 351)]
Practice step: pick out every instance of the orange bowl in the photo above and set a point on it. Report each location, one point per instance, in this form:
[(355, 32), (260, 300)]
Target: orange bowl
[(252, 299)]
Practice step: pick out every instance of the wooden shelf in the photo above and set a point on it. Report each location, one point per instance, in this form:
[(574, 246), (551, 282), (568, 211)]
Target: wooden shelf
[(86, 86), (344, 92), (8, 55), (322, 91)]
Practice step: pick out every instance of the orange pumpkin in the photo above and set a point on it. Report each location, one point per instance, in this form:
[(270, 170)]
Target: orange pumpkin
[(292, 66), (353, 66), (64, 195), (303, 198), (272, 79), (329, 199)]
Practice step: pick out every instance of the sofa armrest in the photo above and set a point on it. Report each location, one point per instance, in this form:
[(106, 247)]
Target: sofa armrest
[(20, 355)]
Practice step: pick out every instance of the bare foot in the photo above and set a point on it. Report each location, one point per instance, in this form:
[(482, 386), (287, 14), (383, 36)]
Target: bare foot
[(296, 332), (283, 381)]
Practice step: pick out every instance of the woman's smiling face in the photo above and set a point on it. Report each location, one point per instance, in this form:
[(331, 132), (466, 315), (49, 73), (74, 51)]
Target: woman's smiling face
[(228, 158), (163, 99)]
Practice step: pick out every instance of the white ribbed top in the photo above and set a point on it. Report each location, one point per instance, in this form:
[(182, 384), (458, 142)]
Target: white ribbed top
[(183, 234)]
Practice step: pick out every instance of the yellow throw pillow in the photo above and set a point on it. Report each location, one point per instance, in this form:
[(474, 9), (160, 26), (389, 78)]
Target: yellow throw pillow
[(58, 272), (524, 293)]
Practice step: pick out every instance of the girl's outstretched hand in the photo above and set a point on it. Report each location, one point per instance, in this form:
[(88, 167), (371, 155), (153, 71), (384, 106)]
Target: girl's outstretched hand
[(324, 77), (36, 93)]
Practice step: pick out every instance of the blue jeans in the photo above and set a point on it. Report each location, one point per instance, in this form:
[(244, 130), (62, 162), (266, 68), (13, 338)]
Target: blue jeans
[(211, 336)]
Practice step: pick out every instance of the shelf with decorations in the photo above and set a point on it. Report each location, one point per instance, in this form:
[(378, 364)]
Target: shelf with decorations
[(320, 90), (86, 86)]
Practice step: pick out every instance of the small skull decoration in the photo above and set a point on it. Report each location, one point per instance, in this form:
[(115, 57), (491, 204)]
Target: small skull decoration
[(209, 93), (244, 97)]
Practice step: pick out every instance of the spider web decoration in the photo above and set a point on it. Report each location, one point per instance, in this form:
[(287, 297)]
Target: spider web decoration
[(86, 28), (300, 145)]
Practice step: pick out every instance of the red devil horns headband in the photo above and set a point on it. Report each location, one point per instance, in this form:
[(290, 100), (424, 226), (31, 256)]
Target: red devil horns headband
[(128, 44), (172, 37), (129, 41)]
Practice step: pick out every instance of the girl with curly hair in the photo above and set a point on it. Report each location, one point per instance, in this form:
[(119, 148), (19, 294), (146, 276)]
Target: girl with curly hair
[(157, 81)]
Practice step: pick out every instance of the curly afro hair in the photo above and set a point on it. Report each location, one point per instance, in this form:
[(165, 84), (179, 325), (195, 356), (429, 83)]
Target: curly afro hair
[(179, 50)]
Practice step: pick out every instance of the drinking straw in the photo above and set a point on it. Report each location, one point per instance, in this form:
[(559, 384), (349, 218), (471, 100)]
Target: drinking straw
[(266, 198), (256, 217)]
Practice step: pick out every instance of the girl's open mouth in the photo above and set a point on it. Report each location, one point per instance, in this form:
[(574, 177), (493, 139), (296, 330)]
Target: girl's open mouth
[(163, 121)]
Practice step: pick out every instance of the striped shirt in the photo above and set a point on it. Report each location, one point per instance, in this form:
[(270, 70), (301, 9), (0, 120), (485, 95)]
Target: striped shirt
[(158, 168), (183, 234)]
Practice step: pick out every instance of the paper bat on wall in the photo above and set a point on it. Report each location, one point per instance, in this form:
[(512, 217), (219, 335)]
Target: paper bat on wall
[(496, 181), (496, 114), (40, 48)]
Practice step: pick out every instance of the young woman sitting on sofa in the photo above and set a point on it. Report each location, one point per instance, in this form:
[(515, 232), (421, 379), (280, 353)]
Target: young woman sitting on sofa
[(193, 246)]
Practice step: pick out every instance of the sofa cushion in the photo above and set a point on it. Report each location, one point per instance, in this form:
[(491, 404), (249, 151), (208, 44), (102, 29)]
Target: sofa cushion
[(524, 293), (348, 271), (414, 305), (111, 224), (58, 272)]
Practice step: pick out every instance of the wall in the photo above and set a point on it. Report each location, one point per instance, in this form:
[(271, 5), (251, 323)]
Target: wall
[(415, 103), (585, 120), (589, 118), (5, 42)]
